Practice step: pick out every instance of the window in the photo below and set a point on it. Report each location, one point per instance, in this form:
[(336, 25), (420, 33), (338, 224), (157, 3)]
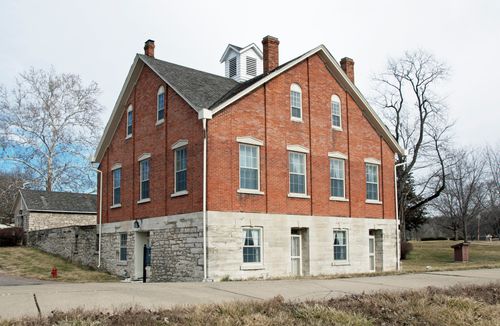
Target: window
[(117, 176), (144, 179), (160, 105), (251, 66), (252, 245), (180, 169), (339, 245), (337, 177), (249, 167), (336, 112), (123, 247), (130, 118), (297, 173), (372, 182), (232, 67), (296, 102)]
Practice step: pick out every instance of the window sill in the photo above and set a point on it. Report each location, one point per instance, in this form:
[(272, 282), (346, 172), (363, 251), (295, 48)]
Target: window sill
[(145, 200), (128, 137), (374, 202), (337, 128), (249, 191), (116, 206), (339, 199), (159, 122), (251, 267), (304, 196), (341, 263), (179, 193), (296, 119)]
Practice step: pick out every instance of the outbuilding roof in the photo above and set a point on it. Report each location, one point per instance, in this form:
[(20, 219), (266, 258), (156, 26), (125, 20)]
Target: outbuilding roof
[(62, 202)]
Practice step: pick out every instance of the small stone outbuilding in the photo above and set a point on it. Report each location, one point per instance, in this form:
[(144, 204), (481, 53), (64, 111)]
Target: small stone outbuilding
[(39, 210)]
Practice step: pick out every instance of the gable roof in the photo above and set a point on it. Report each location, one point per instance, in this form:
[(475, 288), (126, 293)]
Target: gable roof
[(62, 202), (240, 49), (202, 90)]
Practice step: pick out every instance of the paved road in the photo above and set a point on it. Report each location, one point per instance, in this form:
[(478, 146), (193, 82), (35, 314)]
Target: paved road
[(17, 300)]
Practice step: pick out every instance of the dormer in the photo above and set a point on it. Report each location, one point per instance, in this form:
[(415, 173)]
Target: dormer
[(242, 63)]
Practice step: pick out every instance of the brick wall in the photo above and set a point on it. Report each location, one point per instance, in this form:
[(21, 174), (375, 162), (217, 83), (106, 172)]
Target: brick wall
[(265, 114)]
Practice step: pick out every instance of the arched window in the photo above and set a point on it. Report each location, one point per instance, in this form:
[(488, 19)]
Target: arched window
[(336, 113), (160, 105), (130, 120), (296, 102)]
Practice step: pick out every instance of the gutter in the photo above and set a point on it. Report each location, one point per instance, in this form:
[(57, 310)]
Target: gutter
[(398, 261), (99, 172), (204, 115)]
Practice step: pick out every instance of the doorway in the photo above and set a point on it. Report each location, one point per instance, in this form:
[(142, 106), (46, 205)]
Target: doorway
[(299, 251), (141, 239), (371, 252)]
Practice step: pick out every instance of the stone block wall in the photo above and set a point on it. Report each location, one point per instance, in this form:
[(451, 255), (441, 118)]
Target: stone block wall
[(41, 221), (75, 243)]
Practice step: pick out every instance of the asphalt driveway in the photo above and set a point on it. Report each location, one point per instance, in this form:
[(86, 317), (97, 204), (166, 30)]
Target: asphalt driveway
[(17, 300)]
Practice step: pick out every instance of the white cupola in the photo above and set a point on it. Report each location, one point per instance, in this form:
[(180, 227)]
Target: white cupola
[(242, 63)]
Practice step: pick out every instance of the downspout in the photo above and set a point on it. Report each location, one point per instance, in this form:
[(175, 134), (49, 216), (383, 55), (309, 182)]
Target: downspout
[(398, 261), (204, 115), (100, 214)]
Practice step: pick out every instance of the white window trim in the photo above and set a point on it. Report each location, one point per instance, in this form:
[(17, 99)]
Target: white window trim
[(296, 88), (245, 190), (372, 161), (115, 167), (161, 90), (336, 98), (253, 266), (129, 109), (180, 143), (294, 194), (180, 192), (143, 157), (338, 155), (297, 148), (250, 140), (343, 261), (336, 198)]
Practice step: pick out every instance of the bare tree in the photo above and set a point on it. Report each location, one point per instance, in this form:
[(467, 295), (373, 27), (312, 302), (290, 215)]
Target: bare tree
[(462, 200), (10, 183), (407, 96), (491, 215), (48, 128)]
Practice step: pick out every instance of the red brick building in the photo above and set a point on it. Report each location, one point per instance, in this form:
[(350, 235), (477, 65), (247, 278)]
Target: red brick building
[(298, 175)]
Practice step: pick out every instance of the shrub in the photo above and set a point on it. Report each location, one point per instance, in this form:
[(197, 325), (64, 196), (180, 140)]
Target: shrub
[(433, 238), (406, 248), (11, 237)]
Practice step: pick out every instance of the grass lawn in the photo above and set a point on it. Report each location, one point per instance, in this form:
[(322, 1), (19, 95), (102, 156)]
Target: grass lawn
[(34, 263), (439, 256), (472, 305)]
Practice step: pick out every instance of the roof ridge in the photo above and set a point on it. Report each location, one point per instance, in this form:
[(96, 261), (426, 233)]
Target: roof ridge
[(186, 67), (57, 192)]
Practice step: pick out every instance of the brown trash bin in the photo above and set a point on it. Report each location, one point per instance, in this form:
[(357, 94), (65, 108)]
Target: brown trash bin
[(461, 251)]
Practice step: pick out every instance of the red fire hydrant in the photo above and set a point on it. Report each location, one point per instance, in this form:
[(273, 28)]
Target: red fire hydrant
[(53, 272)]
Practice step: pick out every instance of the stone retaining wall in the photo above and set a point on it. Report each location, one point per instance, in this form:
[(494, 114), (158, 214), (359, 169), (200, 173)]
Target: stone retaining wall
[(75, 243)]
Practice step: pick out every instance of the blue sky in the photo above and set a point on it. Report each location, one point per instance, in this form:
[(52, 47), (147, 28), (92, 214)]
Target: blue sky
[(98, 40)]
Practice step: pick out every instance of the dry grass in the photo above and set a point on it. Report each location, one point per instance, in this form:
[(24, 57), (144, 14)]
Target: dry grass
[(33, 263), (439, 256), (471, 305)]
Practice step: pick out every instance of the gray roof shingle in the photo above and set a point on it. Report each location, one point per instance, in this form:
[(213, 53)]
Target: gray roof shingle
[(37, 200), (200, 89)]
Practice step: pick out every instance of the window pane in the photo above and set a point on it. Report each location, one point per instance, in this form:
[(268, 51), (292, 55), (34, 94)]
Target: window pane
[(296, 104), (251, 245), (372, 182), (372, 191), (129, 122), (161, 106), (180, 180), (297, 184), (249, 167)]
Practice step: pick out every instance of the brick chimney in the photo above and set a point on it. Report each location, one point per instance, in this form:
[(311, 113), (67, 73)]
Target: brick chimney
[(149, 48), (347, 65), (271, 53)]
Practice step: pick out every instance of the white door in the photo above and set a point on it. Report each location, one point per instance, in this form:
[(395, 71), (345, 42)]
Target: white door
[(296, 255), (371, 252)]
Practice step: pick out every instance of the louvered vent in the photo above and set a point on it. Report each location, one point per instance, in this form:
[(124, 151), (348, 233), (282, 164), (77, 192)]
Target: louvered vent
[(232, 67), (251, 66)]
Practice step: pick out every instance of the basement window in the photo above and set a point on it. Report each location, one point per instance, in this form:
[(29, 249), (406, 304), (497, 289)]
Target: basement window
[(232, 67), (123, 247), (252, 245), (251, 66)]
